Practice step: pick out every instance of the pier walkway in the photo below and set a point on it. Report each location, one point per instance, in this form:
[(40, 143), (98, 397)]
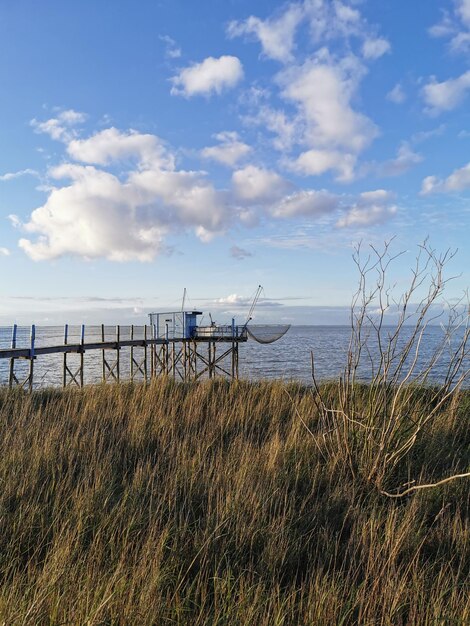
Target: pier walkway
[(152, 351)]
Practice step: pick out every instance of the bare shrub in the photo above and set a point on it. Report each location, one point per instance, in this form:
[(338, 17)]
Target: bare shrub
[(386, 396)]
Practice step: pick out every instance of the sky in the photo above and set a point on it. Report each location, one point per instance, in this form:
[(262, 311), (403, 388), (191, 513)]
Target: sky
[(152, 146)]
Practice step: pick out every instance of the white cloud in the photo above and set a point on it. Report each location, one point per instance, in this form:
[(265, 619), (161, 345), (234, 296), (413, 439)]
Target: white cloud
[(183, 198), (96, 214), (233, 298), (444, 28), (461, 42), (239, 253), (229, 151), (60, 128), (322, 91), (325, 122), (257, 184), (327, 20), (113, 145), (455, 26), (334, 19), (406, 158), (71, 117), (236, 301), (424, 135), (371, 208), (430, 184), (93, 216), (374, 48), (120, 194), (459, 180), (397, 94), (305, 203), (213, 75), (172, 51), (463, 9), (276, 35), (446, 95), (317, 162), (330, 20), (377, 196), (366, 216), (13, 175), (286, 130), (4, 252)]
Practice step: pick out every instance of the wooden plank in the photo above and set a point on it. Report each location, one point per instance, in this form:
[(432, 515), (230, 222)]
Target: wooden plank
[(25, 353)]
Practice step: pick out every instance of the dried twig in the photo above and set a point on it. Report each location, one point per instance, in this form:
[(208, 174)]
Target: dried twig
[(429, 486)]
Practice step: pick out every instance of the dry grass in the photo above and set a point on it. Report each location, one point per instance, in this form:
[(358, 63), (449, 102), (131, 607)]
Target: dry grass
[(212, 504)]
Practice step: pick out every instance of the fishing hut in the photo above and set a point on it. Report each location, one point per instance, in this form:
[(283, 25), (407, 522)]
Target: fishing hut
[(174, 344), (191, 350)]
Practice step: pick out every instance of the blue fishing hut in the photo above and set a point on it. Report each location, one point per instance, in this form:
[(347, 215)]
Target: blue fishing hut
[(175, 324)]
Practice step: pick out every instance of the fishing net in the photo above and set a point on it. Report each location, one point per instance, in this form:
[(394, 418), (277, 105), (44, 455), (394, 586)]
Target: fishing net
[(267, 333)]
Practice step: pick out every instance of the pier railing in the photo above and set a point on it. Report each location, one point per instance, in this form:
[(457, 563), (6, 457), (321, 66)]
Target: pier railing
[(148, 354), (220, 332)]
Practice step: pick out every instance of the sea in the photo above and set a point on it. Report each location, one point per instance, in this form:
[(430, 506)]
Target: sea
[(287, 359)]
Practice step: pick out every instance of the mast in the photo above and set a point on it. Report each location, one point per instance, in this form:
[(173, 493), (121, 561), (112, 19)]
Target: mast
[(253, 304)]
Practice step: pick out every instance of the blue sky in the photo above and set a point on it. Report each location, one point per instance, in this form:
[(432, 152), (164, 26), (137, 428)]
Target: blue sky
[(155, 145)]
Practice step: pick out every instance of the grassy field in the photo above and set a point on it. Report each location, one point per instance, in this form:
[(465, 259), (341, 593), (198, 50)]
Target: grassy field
[(213, 504)]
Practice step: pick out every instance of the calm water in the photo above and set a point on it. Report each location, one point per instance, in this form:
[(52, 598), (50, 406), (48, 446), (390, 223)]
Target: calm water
[(288, 358)]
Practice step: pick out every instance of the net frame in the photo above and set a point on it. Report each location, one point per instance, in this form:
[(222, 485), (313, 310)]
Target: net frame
[(267, 333)]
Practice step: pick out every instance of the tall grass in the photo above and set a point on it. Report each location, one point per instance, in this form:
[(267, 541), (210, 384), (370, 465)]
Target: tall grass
[(213, 504)]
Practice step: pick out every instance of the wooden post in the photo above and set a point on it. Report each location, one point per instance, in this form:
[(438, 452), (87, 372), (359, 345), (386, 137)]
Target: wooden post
[(103, 355), (138, 365), (145, 353), (132, 353), (233, 348), (82, 355), (154, 351), (194, 359), (12, 360), (236, 360), (118, 349), (166, 352), (64, 369), (32, 357)]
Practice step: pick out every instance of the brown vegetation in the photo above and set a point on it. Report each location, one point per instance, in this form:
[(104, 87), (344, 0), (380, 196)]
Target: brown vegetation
[(213, 504)]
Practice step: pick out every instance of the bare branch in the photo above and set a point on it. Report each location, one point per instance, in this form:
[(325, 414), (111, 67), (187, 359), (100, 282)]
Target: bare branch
[(429, 486)]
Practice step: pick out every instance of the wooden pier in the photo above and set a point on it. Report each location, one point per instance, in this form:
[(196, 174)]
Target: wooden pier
[(205, 352)]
